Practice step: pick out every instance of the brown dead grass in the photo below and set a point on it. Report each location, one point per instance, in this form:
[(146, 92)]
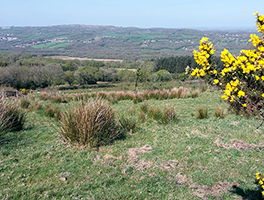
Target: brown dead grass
[(235, 143), (133, 160), (216, 190)]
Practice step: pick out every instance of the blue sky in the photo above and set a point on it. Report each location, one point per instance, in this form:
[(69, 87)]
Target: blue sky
[(231, 14)]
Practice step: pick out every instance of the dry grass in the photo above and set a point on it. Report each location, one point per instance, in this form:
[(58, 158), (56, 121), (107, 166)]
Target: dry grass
[(92, 124), (11, 117), (24, 103), (36, 106), (219, 112), (202, 113), (195, 94)]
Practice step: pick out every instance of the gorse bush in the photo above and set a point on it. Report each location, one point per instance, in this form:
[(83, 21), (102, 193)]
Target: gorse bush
[(242, 77), (260, 180), (91, 124), (11, 117)]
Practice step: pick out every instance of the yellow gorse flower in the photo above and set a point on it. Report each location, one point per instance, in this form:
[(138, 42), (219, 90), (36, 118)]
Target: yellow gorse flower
[(247, 68)]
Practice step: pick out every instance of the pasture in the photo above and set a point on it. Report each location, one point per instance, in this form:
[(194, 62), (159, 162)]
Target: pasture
[(188, 158)]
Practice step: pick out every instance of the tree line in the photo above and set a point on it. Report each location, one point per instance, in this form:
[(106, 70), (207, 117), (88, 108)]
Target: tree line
[(25, 71)]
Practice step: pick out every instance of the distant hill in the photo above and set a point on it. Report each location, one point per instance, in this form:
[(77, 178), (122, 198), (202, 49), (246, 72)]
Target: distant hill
[(109, 42)]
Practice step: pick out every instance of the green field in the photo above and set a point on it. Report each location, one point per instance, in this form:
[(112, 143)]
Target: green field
[(52, 45), (190, 158)]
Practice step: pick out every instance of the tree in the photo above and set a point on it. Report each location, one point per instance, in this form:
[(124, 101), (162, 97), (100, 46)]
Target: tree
[(126, 75), (162, 75), (69, 77), (84, 77)]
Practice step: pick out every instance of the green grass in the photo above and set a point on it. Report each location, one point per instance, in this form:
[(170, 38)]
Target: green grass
[(182, 157), (52, 45)]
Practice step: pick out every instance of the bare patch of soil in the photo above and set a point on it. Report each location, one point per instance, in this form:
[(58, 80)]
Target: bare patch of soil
[(170, 165), (235, 143), (135, 162), (216, 190)]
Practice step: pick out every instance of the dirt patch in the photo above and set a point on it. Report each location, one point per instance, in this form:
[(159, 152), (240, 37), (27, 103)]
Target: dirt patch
[(107, 156), (132, 152), (169, 165), (235, 143), (216, 190), (133, 160), (182, 179)]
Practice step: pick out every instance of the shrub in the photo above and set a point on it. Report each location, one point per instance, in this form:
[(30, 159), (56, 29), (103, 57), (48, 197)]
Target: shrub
[(242, 77), (24, 91), (24, 103), (91, 124), (11, 117)]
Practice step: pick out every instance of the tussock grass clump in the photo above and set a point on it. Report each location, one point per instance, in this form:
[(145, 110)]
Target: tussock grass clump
[(24, 103), (91, 124), (44, 96), (127, 124), (144, 107), (204, 87), (11, 117), (36, 106), (180, 90), (195, 94), (183, 92), (163, 115), (202, 113), (52, 111), (56, 99), (219, 112), (142, 116), (174, 93), (169, 114), (137, 99)]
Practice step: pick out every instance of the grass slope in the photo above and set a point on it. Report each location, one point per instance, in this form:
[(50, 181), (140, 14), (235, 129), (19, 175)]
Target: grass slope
[(188, 159)]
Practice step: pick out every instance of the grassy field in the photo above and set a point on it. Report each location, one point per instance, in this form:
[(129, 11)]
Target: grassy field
[(52, 45), (190, 158)]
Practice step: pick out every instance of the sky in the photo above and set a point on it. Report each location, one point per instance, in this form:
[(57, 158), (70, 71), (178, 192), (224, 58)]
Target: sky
[(197, 14)]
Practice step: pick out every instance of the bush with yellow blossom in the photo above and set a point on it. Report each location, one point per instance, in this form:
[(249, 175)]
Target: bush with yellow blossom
[(260, 179), (242, 77)]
